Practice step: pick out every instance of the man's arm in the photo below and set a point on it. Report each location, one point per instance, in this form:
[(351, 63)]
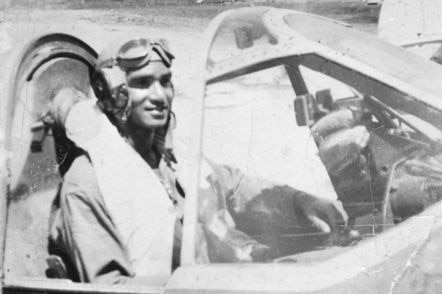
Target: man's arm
[(250, 195), (233, 205), (85, 231)]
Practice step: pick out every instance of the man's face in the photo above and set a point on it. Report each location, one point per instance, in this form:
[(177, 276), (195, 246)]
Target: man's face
[(150, 90)]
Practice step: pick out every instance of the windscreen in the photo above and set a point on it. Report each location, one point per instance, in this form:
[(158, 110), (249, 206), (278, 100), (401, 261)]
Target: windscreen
[(239, 31), (257, 161), (242, 38)]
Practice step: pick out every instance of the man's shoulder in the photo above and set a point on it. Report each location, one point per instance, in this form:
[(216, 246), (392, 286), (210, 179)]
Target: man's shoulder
[(80, 170), (80, 179)]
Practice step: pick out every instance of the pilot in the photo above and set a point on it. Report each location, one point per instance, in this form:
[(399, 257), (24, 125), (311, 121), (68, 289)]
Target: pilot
[(101, 226), (119, 211)]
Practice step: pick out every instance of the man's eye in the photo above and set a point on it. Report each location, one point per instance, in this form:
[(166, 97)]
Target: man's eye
[(141, 83), (165, 82)]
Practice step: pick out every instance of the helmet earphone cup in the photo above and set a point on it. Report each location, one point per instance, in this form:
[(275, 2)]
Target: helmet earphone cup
[(100, 85), (111, 92)]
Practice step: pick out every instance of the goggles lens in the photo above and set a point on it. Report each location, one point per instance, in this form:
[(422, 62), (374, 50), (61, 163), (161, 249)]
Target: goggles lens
[(137, 53)]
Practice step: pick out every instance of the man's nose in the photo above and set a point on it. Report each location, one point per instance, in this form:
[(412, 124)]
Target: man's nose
[(158, 93)]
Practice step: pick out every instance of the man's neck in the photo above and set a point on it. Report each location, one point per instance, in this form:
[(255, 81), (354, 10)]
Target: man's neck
[(142, 141)]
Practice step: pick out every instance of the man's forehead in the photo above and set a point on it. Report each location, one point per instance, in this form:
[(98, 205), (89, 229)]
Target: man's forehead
[(154, 69)]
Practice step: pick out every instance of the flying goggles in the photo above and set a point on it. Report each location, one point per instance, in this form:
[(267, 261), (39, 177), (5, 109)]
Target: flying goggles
[(138, 52)]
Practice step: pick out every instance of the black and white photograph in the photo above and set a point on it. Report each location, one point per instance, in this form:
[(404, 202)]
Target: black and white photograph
[(220, 146)]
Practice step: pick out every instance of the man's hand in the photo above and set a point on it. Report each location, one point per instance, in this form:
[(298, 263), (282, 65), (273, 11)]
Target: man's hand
[(63, 102), (327, 216)]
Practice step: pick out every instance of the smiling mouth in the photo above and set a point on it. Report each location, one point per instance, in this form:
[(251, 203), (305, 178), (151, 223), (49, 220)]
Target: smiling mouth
[(156, 108), (159, 111)]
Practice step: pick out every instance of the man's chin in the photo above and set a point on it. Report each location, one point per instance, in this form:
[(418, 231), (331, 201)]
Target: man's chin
[(157, 124)]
